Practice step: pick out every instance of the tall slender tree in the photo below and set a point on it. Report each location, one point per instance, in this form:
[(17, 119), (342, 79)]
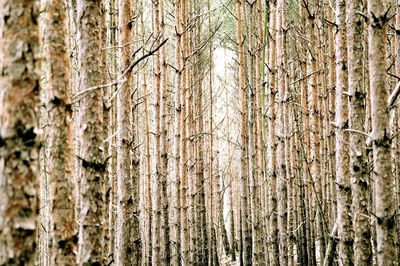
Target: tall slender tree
[(357, 111), (281, 132), (244, 205), (184, 239), (342, 138), (176, 230), (380, 135), (258, 190), (91, 158), (148, 198), (156, 229), (60, 169), (272, 169), (202, 251), (163, 167), (128, 249)]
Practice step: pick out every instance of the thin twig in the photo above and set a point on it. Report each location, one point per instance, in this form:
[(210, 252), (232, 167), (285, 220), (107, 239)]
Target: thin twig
[(357, 131), (394, 95), (118, 82), (305, 77)]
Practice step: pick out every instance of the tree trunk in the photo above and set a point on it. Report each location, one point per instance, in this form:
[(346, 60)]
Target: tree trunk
[(63, 229), (91, 157), (281, 133), (149, 203), (163, 166), (245, 217), (380, 136), (331, 109), (176, 260), (183, 162), (202, 252), (110, 122), (358, 159), (128, 251), (156, 188), (305, 183), (272, 171), (19, 141), (258, 189), (345, 233), (395, 126), (314, 113)]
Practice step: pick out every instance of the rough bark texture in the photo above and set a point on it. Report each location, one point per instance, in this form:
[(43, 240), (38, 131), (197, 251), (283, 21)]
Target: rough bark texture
[(395, 126), (380, 135), (202, 251), (345, 233), (148, 199), (309, 255), (314, 116), (183, 160), (63, 228), (358, 159), (176, 226), (245, 214), (272, 172), (163, 167), (331, 118), (111, 108), (91, 134), (156, 226), (211, 228), (19, 140), (127, 220), (280, 134), (252, 130), (258, 188)]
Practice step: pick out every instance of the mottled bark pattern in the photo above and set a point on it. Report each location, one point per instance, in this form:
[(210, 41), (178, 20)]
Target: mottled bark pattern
[(272, 171), (19, 140), (244, 138), (184, 236), (280, 134), (202, 249), (176, 224), (63, 230), (380, 135), (315, 188), (258, 188), (127, 220), (91, 133), (357, 110), (163, 166), (157, 212), (345, 233)]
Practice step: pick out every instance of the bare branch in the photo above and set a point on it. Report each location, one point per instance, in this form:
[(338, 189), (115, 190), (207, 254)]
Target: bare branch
[(122, 78), (394, 95)]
